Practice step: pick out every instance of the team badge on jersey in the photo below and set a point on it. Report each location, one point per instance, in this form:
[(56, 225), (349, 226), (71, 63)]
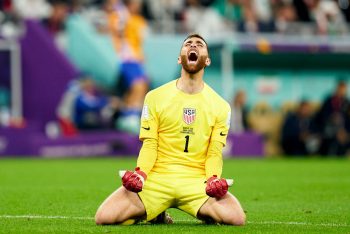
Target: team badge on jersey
[(145, 114), (228, 120), (189, 115)]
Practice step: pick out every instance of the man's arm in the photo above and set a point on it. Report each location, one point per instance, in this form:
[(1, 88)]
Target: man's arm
[(133, 181), (213, 163), (148, 155), (148, 134), (216, 186)]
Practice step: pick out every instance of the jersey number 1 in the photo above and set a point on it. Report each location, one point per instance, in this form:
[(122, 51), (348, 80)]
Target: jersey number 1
[(186, 145)]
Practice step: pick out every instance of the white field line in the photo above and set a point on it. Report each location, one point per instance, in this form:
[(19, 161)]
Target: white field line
[(177, 221), (42, 217), (300, 223)]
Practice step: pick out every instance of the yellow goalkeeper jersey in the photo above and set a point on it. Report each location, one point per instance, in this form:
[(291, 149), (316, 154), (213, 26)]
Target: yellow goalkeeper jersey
[(184, 124)]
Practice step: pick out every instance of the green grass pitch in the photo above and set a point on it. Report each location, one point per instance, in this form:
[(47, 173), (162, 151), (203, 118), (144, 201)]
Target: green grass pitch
[(278, 195)]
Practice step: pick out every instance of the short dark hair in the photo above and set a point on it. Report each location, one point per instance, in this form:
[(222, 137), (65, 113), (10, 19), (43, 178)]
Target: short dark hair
[(196, 35)]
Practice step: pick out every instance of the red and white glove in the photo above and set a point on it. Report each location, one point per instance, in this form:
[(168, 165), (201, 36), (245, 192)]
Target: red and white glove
[(133, 181), (217, 187)]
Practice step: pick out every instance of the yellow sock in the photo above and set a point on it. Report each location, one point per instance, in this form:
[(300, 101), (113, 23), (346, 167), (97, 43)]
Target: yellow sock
[(129, 222)]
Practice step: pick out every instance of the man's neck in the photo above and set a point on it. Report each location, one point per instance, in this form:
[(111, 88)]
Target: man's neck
[(190, 83)]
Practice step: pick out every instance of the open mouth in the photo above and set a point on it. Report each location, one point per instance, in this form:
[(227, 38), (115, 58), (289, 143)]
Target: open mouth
[(192, 56)]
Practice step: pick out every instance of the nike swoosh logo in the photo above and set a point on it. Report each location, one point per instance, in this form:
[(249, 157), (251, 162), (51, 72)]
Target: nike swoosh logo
[(148, 128), (222, 134)]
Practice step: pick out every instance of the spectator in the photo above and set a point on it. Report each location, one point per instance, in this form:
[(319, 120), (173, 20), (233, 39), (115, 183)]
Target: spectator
[(135, 29), (263, 10), (302, 10), (328, 17), (204, 20), (5, 5), (331, 122), (134, 78), (297, 136), (344, 5), (325, 13), (255, 21), (230, 10), (55, 22), (239, 121), (89, 107), (164, 13), (115, 15), (127, 27), (284, 15), (34, 9), (65, 110)]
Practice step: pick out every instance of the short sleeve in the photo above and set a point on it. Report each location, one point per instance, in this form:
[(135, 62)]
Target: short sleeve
[(222, 125), (149, 119)]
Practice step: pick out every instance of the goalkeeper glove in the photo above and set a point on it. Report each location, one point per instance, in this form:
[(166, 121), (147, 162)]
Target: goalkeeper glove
[(133, 181), (216, 187)]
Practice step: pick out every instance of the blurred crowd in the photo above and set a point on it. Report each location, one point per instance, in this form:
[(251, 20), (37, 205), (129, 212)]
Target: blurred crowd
[(302, 128), (203, 16)]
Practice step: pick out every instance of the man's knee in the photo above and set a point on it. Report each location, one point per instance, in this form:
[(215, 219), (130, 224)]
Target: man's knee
[(104, 217), (236, 218), (100, 217)]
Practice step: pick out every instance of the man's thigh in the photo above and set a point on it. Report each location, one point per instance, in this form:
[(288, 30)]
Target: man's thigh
[(225, 210), (191, 194), (120, 206), (157, 194)]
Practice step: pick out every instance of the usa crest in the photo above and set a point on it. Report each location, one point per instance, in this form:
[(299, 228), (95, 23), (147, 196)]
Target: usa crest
[(189, 115)]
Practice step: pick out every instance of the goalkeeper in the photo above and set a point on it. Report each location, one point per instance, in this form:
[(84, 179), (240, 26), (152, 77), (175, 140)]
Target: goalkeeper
[(184, 125)]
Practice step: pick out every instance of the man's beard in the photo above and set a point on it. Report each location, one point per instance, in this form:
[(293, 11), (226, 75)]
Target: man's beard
[(193, 68)]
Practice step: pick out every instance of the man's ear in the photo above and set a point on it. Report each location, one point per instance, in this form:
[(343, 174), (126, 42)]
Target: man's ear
[(179, 60), (207, 62)]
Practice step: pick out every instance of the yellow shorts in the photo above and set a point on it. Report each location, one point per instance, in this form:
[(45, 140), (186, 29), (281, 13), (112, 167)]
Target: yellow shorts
[(163, 191)]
